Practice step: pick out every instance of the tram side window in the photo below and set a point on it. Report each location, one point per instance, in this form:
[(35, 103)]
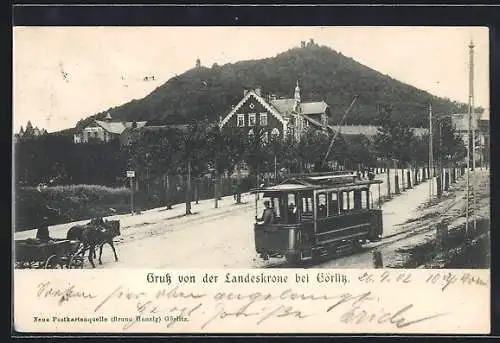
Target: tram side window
[(307, 207), (365, 199), (322, 209), (345, 201), (276, 207), (333, 204)]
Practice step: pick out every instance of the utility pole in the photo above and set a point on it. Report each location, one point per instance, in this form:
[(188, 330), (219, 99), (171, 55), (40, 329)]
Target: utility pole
[(275, 168), (132, 191), (470, 139), (440, 163), (472, 116), (431, 157), (188, 189)]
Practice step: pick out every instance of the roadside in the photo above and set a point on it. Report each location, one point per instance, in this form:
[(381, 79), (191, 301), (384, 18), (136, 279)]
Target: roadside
[(446, 246)]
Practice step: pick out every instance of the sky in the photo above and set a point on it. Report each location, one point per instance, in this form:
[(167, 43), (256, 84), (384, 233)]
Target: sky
[(64, 74)]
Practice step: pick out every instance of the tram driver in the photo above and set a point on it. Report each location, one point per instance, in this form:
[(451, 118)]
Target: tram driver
[(268, 215), (292, 214)]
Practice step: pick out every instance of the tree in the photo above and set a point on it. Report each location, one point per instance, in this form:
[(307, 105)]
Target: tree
[(156, 153), (404, 141), (312, 148), (226, 149), (256, 154), (29, 129), (193, 159), (360, 151), (385, 138)]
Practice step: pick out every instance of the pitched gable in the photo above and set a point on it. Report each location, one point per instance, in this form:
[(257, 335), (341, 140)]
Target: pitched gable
[(258, 98)]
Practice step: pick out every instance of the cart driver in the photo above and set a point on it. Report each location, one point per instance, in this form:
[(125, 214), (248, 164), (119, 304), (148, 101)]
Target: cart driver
[(268, 214), (42, 233)]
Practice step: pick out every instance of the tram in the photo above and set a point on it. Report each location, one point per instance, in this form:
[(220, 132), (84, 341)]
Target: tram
[(315, 215)]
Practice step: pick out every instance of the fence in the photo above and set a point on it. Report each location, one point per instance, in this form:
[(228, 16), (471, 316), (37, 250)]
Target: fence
[(171, 189)]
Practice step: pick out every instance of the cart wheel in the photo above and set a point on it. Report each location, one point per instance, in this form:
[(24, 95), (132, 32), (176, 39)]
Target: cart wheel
[(76, 261), (47, 263)]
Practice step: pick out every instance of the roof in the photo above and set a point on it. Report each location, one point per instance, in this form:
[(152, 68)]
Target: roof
[(113, 127), (313, 121), (313, 107), (368, 130), (183, 127), (286, 106), (118, 127), (139, 123), (315, 181), (286, 187)]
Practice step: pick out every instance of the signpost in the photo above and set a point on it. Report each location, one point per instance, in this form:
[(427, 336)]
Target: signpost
[(131, 176)]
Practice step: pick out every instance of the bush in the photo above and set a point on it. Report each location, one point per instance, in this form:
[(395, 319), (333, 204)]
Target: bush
[(62, 204)]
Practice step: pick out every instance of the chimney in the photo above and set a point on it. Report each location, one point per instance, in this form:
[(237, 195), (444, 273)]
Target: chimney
[(245, 91), (257, 91)]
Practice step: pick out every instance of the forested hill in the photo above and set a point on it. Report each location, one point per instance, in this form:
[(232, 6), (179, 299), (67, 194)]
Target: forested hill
[(323, 73)]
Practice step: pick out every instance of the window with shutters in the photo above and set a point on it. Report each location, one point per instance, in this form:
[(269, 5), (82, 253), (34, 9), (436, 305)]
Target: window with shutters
[(240, 120), (263, 119), (251, 119)]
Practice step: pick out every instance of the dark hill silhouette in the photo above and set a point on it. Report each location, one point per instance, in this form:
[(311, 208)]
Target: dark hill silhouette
[(323, 73)]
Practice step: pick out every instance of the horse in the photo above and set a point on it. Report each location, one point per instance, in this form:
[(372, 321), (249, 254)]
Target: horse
[(96, 233), (75, 232), (112, 230), (92, 237)]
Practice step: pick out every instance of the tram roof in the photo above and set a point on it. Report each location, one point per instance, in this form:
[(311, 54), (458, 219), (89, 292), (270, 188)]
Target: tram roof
[(317, 182)]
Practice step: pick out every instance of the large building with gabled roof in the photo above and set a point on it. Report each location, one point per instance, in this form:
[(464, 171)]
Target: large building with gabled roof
[(276, 117)]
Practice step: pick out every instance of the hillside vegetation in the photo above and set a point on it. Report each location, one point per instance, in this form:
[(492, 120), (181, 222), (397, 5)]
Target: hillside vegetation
[(324, 74)]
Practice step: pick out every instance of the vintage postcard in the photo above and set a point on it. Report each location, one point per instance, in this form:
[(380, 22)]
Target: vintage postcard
[(251, 180)]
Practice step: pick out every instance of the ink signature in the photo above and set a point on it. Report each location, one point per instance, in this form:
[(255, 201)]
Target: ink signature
[(356, 314), (45, 290), (260, 307)]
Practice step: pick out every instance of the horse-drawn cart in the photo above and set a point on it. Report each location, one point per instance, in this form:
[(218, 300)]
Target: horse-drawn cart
[(55, 253)]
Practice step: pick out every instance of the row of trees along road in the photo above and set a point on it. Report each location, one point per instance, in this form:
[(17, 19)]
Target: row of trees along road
[(397, 143), (204, 147)]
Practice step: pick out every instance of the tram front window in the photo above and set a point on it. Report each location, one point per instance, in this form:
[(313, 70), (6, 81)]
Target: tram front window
[(275, 204), (284, 206), (291, 217)]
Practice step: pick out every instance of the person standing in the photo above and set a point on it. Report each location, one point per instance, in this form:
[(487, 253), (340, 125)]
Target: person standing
[(267, 215)]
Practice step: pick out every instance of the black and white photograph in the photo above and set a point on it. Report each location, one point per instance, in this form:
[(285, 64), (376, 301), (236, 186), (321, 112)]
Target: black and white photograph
[(251, 147)]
